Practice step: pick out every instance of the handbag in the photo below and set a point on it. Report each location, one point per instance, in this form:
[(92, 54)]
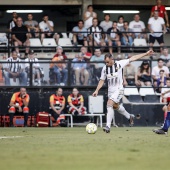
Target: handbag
[(145, 78)]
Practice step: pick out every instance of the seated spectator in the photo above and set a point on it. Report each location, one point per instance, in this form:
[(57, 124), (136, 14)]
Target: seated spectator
[(120, 22), (96, 35), (143, 76), (14, 70), (13, 22), (19, 105), (20, 36), (97, 57), (86, 55), (35, 68), (129, 75), (76, 103), (33, 26), (57, 105), (165, 92), (89, 15), (126, 38), (3, 38), (166, 56), (156, 71), (47, 27), (138, 27), (80, 70), (59, 69), (161, 82), (113, 38), (80, 34), (156, 24)]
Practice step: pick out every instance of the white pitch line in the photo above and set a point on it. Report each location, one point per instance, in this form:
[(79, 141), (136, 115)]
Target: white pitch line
[(9, 137)]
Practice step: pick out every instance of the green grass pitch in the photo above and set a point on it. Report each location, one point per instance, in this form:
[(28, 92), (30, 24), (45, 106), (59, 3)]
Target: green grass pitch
[(125, 148)]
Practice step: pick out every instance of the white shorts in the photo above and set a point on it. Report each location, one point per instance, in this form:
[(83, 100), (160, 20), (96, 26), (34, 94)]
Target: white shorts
[(116, 96)]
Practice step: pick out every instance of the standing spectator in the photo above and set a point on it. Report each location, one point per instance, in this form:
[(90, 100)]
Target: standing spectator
[(113, 38), (161, 11), (80, 70), (80, 34), (96, 35), (20, 36), (127, 38), (166, 56), (165, 92), (35, 67), (129, 75), (47, 27), (156, 24), (76, 103), (138, 27), (59, 69), (97, 57), (89, 15), (57, 105), (143, 76), (156, 70), (12, 22), (14, 70), (106, 24), (19, 105), (120, 22), (86, 55), (32, 25), (161, 82)]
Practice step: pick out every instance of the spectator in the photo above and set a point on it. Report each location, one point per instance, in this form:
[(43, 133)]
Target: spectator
[(127, 38), (156, 70), (166, 56), (161, 11), (86, 55), (47, 27), (129, 75), (19, 105), (143, 76), (13, 21), (76, 103), (20, 36), (89, 15), (161, 82), (59, 69), (57, 105), (97, 57), (165, 92), (156, 24), (33, 26), (96, 34), (120, 22), (35, 68), (14, 70), (80, 34), (80, 70), (113, 38), (138, 27), (106, 24), (3, 39)]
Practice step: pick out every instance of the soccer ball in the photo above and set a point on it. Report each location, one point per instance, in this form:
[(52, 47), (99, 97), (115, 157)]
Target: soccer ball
[(91, 128)]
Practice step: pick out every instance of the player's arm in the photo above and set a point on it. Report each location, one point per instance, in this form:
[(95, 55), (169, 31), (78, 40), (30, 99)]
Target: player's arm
[(139, 56), (63, 105), (99, 86), (25, 100), (12, 102), (166, 18)]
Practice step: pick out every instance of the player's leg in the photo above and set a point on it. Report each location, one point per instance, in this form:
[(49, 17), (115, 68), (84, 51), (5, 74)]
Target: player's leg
[(26, 113), (11, 112)]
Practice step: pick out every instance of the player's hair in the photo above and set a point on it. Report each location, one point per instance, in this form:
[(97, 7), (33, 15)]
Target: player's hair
[(89, 6), (59, 88), (108, 55), (80, 21), (95, 19), (114, 22), (106, 15), (120, 16), (29, 14), (126, 22), (75, 88), (45, 15), (160, 59)]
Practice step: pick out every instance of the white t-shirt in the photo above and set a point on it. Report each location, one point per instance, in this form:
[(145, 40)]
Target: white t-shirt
[(106, 25), (137, 26), (114, 75), (88, 22), (32, 60), (165, 90), (156, 69), (156, 25), (44, 26)]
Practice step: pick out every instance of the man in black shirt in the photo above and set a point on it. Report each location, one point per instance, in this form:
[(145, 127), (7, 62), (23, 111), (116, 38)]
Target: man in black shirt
[(20, 36)]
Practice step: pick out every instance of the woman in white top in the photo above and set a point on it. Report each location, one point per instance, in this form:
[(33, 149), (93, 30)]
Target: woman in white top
[(88, 16)]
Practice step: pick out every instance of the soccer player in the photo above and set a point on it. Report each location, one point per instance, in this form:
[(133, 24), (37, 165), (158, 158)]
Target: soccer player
[(113, 72), (166, 125)]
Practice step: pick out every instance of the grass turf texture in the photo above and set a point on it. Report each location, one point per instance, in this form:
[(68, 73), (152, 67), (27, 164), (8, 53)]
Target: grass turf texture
[(73, 149)]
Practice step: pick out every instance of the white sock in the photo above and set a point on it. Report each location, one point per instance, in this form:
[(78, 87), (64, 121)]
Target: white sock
[(122, 111), (110, 116)]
